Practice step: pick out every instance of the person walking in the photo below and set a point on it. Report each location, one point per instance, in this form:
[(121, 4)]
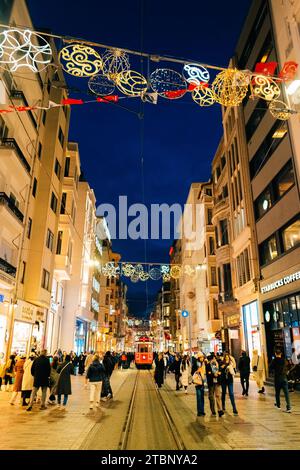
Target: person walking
[(9, 372), (244, 368), (198, 381), (185, 370), (213, 377), (27, 380), (40, 371), (109, 366), (227, 376), (279, 366), (63, 387), (257, 365), (54, 375), (159, 370), (2, 370), (88, 362), (95, 374), (175, 367), (19, 372), (81, 362)]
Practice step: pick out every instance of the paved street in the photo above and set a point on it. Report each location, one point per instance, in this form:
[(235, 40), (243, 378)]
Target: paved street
[(258, 426)]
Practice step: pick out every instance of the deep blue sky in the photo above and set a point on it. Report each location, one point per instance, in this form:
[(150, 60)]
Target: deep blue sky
[(180, 137)]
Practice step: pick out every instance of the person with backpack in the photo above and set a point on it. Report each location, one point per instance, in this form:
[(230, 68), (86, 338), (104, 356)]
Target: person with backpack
[(198, 381), (244, 368), (213, 377), (96, 375), (227, 379)]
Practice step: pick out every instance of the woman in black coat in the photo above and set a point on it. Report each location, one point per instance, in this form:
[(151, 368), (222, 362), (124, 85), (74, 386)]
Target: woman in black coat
[(64, 381), (159, 370)]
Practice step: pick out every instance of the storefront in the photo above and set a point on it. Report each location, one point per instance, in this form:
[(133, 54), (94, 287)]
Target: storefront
[(231, 336), (28, 328), (281, 311), (251, 327), (4, 309), (81, 336)]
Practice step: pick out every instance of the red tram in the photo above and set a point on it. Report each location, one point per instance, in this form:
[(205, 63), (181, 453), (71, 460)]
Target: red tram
[(143, 355)]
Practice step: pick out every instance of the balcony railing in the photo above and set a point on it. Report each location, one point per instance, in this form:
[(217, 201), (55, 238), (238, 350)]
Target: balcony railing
[(12, 144), (4, 199), (7, 268), (19, 95), (226, 297)]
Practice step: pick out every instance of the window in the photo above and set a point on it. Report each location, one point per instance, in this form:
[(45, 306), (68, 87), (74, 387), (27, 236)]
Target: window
[(45, 279), (59, 242), (256, 117), (107, 299), (63, 203), (223, 161), (209, 216), (291, 235), (213, 276), (67, 166), (227, 281), (61, 136), (285, 179), (53, 203), (216, 311), (49, 240), (268, 250), (34, 187), (29, 226), (3, 129), (40, 149), (267, 147), (57, 168), (208, 192), (224, 232), (44, 117), (217, 174), (211, 246), (253, 36), (23, 272)]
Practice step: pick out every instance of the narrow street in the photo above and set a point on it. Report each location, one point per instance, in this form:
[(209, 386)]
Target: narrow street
[(146, 425)]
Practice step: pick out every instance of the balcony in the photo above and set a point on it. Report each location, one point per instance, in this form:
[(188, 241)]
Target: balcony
[(220, 207), (7, 268), (11, 144), (5, 200), (18, 95), (63, 267)]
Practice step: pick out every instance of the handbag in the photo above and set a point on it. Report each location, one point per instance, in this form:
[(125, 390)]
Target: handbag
[(255, 367), (197, 379)]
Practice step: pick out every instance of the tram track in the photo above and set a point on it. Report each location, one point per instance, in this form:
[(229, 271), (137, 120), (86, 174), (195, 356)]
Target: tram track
[(147, 407)]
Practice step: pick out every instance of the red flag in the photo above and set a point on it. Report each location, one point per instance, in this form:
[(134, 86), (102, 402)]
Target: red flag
[(192, 86), (105, 99), (71, 101), (266, 68), (288, 70), (174, 94)]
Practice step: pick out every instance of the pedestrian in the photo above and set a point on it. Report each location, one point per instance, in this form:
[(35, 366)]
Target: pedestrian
[(40, 370), (63, 387), (185, 370), (175, 367), (19, 372), (27, 381), (244, 368), (81, 362), (2, 369), (227, 379), (96, 375), (279, 366), (166, 364), (159, 370), (9, 372), (123, 360), (213, 377), (198, 381), (109, 365), (257, 365), (88, 362), (54, 375)]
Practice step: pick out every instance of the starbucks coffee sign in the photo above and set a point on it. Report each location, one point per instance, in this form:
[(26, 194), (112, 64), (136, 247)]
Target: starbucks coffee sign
[(281, 282)]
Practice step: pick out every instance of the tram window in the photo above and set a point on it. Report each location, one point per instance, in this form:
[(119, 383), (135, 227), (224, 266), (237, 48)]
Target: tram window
[(143, 348)]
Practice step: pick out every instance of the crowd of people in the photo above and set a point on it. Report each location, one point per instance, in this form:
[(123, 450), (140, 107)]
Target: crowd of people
[(216, 372), (37, 375)]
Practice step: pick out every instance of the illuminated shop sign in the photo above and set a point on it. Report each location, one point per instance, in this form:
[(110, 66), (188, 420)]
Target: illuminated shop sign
[(281, 282)]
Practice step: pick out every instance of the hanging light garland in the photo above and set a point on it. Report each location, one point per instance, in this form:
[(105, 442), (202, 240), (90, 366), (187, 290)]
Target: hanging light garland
[(101, 85), (230, 87)]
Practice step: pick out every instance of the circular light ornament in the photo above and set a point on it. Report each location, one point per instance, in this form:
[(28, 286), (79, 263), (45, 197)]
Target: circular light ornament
[(144, 276), (265, 88), (127, 270), (175, 272), (131, 83), (166, 277), (24, 49), (267, 316), (115, 61), (80, 60), (168, 83), (135, 278), (203, 96), (101, 85), (155, 274), (110, 270), (139, 268), (195, 74), (265, 204), (279, 110), (230, 87)]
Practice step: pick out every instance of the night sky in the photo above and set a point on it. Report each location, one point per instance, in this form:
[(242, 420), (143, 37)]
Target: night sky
[(180, 138)]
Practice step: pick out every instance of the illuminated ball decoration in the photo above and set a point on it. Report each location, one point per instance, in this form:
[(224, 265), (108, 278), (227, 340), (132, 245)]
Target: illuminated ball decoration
[(101, 85), (279, 110), (265, 88), (115, 61), (144, 276), (24, 49), (127, 269), (203, 96), (139, 268), (230, 87), (175, 272), (195, 74), (110, 270), (80, 60), (135, 278), (166, 277), (155, 274), (131, 83), (168, 83)]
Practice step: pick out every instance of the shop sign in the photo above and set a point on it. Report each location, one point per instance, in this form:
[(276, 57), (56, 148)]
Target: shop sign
[(1, 298), (233, 334), (281, 282), (29, 313), (233, 320)]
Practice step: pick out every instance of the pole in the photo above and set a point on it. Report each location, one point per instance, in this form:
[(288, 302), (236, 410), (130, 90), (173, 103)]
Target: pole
[(190, 333)]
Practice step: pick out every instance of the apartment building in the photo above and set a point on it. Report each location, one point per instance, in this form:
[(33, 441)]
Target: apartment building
[(30, 190), (175, 312), (270, 146)]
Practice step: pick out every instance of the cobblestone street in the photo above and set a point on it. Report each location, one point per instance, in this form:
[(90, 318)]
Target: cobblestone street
[(258, 426)]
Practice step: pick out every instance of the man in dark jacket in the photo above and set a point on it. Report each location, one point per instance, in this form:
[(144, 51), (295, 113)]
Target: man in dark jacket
[(96, 375), (109, 365), (175, 367), (244, 368), (40, 370), (279, 366)]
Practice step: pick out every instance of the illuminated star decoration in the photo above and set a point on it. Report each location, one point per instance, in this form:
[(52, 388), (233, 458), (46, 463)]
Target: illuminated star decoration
[(168, 83), (196, 74), (24, 49)]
